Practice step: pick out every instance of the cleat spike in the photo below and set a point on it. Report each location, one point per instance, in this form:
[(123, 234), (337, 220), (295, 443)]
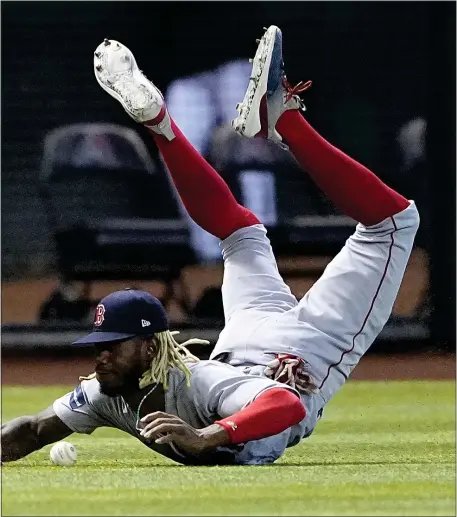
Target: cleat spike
[(250, 60), (257, 41), (97, 54), (265, 28), (98, 68), (107, 42)]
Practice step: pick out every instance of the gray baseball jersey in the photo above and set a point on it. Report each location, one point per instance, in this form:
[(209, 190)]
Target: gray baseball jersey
[(216, 391), (337, 320), (331, 328)]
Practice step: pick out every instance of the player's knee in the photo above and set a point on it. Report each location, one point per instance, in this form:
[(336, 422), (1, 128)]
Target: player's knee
[(415, 217)]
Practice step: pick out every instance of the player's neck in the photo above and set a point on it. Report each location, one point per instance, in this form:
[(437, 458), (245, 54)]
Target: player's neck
[(155, 401)]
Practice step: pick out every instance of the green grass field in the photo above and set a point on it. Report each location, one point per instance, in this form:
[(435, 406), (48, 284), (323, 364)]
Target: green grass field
[(381, 449)]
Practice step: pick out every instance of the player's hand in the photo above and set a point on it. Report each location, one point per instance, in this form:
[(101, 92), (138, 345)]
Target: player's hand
[(165, 428), (291, 370)]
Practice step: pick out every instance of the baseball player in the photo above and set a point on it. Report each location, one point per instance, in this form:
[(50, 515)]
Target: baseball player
[(278, 360)]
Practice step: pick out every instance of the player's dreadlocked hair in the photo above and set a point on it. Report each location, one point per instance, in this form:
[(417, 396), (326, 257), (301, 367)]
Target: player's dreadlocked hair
[(169, 354)]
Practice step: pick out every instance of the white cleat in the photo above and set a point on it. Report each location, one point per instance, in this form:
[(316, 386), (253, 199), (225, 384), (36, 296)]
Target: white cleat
[(118, 74), (268, 94)]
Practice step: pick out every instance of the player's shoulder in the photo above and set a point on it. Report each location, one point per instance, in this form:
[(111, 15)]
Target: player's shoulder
[(211, 372), (203, 369), (209, 364), (195, 367), (90, 390)]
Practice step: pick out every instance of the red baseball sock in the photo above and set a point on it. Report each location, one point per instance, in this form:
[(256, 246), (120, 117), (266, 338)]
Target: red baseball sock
[(354, 189), (204, 193)]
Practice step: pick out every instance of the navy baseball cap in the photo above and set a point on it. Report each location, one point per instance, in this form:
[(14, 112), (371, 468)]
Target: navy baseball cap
[(124, 315)]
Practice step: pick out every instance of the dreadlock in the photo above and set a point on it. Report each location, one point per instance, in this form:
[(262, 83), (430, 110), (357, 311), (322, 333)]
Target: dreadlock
[(169, 354)]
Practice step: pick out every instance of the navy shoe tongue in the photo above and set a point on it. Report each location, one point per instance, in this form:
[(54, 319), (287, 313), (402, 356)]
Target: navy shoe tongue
[(276, 66)]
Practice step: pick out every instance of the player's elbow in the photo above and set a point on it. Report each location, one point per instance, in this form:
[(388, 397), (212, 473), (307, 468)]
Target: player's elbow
[(31, 427), (415, 217), (36, 431)]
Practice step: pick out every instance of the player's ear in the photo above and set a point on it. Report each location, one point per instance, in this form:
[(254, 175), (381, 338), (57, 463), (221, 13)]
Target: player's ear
[(151, 346)]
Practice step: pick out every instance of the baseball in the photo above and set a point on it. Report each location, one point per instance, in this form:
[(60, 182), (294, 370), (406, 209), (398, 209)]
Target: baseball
[(63, 454)]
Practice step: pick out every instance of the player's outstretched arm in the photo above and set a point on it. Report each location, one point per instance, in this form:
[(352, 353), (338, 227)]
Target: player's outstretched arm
[(27, 434)]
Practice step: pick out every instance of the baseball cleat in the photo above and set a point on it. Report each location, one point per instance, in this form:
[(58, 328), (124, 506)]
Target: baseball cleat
[(118, 74), (269, 94)]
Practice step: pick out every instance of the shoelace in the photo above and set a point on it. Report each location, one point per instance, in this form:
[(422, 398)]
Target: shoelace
[(295, 90)]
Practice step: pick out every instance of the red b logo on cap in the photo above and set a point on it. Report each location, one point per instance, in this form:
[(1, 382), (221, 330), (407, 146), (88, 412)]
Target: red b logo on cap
[(99, 315)]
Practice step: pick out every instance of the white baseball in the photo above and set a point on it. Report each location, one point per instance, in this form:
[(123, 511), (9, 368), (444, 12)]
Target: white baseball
[(63, 454)]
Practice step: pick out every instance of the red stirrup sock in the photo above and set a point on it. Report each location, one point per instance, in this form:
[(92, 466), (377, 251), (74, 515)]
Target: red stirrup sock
[(204, 193), (353, 188)]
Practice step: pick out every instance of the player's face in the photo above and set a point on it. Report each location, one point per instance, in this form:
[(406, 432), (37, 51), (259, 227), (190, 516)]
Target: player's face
[(120, 365)]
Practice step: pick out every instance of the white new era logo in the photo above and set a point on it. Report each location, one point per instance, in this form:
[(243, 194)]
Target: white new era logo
[(145, 323)]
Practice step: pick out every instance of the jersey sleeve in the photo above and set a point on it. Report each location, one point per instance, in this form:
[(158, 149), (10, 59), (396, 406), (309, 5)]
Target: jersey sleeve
[(222, 390), (81, 409)]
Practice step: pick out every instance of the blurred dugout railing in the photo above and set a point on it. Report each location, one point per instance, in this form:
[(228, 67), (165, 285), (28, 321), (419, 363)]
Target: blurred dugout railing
[(405, 333)]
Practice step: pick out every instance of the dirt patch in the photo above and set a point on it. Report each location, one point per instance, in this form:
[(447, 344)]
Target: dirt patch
[(65, 370)]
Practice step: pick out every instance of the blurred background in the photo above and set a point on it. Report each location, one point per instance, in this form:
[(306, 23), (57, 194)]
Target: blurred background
[(87, 204)]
